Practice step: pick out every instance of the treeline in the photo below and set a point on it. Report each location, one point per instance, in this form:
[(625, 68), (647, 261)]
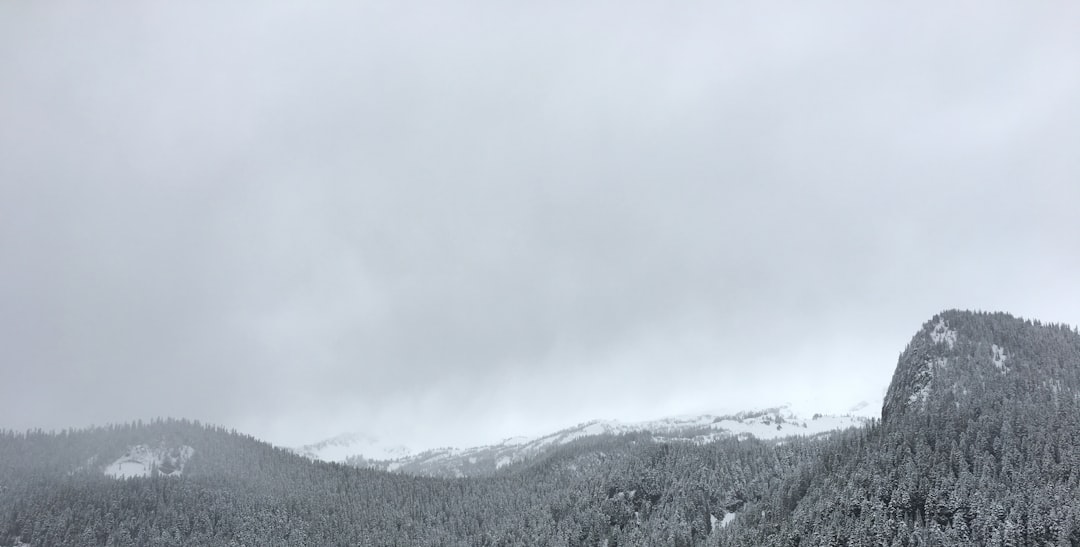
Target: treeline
[(238, 491), (987, 453)]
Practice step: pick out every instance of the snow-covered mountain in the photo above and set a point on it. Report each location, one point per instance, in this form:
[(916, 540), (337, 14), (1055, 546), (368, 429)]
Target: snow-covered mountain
[(959, 356), (767, 424)]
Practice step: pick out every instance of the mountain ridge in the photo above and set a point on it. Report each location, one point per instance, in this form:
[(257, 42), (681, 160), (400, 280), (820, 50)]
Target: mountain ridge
[(765, 424), (979, 444)]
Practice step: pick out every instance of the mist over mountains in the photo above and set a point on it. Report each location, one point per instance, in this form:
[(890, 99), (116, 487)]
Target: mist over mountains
[(539, 273), (768, 424), (467, 222), (978, 444)]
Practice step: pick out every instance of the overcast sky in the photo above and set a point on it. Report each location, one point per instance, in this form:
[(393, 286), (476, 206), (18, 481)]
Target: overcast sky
[(453, 222)]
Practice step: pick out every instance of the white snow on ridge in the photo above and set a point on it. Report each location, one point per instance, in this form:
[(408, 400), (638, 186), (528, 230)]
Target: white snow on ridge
[(766, 428), (772, 424), (676, 423), (595, 428), (142, 461), (768, 424)]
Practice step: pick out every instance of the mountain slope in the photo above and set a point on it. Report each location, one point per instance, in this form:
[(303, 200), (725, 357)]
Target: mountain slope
[(979, 444), (967, 359), (235, 490), (767, 424)]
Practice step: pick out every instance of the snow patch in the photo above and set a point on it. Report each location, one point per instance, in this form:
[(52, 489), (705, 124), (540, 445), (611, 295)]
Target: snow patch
[(721, 522), (142, 461), (503, 462), (1000, 357), (942, 333)]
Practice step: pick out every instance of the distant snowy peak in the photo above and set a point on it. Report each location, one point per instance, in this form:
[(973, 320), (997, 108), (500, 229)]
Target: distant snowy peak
[(143, 461), (350, 446), (768, 424)]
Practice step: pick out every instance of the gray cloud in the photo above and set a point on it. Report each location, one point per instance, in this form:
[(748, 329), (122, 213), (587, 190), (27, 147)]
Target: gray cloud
[(453, 223)]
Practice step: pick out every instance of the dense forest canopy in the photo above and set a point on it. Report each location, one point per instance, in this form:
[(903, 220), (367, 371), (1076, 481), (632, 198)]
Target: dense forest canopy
[(979, 444)]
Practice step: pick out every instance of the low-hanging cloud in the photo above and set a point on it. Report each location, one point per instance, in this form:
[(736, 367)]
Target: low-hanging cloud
[(457, 222)]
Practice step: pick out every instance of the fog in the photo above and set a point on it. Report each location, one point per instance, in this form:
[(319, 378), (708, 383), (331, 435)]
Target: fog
[(449, 223)]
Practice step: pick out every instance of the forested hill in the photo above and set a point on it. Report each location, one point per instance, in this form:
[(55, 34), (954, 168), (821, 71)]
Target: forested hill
[(979, 445), (208, 486), (965, 363)]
